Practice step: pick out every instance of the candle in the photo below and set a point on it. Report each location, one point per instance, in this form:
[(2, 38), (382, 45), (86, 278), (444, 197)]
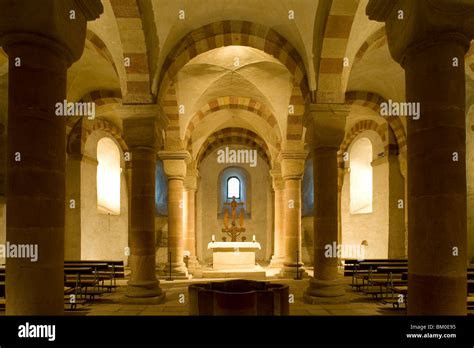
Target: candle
[(213, 238), (253, 238)]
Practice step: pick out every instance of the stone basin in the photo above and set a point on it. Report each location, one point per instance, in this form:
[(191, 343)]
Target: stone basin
[(239, 297)]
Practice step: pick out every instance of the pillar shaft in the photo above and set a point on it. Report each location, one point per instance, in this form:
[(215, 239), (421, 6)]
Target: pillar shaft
[(39, 56), (326, 125), (437, 183), (326, 211), (36, 179), (72, 243), (189, 221), (279, 221), (140, 135), (396, 210), (292, 210), (292, 163), (143, 282), (175, 226), (430, 43), (175, 163)]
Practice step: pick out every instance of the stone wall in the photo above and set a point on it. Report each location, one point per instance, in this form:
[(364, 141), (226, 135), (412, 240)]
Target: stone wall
[(102, 236), (208, 222), (370, 227)]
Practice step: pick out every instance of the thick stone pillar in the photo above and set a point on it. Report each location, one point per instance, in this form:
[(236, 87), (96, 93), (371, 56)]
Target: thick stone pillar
[(189, 220), (396, 208), (175, 168), (72, 236), (292, 169), (326, 127), (140, 135), (279, 220), (430, 44), (39, 56)]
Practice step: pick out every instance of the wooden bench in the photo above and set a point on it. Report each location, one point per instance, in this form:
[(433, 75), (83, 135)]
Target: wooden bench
[(361, 271), (351, 264), (84, 280), (108, 270), (380, 281)]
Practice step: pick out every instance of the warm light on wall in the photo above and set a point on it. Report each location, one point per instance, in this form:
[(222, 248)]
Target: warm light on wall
[(361, 177), (108, 176)]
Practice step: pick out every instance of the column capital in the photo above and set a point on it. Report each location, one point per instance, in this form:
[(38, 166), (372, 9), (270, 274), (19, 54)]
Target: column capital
[(191, 179), (141, 132), (292, 163), (57, 25), (277, 180), (175, 163), (423, 22), (326, 124), (152, 111)]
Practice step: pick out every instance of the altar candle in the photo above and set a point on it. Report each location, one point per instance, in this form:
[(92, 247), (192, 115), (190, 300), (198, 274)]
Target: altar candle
[(253, 238), (213, 238)]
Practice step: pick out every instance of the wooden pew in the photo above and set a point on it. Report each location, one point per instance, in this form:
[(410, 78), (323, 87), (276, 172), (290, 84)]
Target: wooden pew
[(384, 278), (113, 270), (84, 280), (365, 269), (351, 264)]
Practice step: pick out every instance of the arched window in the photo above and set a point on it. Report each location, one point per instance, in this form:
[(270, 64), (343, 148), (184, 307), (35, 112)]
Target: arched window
[(233, 187), (361, 177), (108, 176)]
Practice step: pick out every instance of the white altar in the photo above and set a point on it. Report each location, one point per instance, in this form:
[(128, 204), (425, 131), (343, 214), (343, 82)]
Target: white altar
[(233, 255)]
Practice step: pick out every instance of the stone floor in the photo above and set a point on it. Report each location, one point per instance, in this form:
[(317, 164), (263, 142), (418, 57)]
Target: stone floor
[(357, 304)]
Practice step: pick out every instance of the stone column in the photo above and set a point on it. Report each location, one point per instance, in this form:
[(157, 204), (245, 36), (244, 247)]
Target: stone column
[(174, 163), (189, 228), (396, 208), (39, 56), (279, 219), (292, 169), (141, 138), (72, 237), (430, 44), (326, 127)]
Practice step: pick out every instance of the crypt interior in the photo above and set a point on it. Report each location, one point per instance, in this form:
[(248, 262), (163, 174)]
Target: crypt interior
[(326, 145)]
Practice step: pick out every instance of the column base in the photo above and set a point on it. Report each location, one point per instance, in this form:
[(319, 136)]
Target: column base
[(143, 289), (178, 271), (276, 262), (325, 291), (193, 264), (290, 272), (144, 300)]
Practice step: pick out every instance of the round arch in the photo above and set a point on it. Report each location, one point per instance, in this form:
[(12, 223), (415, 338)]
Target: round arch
[(239, 33)]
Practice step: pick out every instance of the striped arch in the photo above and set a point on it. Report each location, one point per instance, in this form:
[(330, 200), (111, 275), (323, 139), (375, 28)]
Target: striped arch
[(378, 39), (232, 103), (101, 48), (335, 41), (235, 136), (100, 98), (373, 101), (358, 128), (240, 33), (83, 128), (130, 25)]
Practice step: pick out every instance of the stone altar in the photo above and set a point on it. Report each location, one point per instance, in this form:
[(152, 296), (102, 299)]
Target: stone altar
[(233, 255)]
